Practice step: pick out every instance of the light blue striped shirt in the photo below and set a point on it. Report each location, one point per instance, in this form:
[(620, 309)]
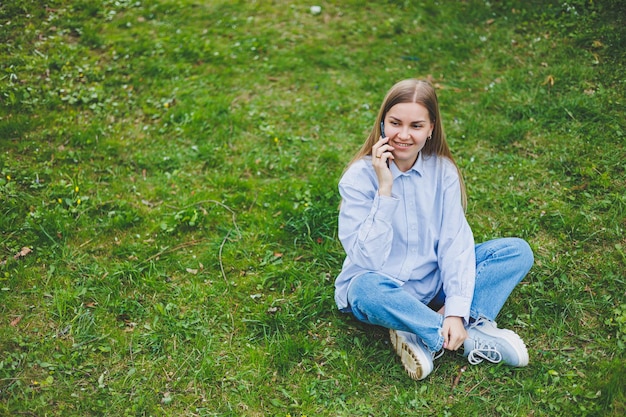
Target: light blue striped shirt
[(419, 236)]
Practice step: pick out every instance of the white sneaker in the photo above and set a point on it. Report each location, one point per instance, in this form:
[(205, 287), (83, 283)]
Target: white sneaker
[(416, 357), (486, 342)]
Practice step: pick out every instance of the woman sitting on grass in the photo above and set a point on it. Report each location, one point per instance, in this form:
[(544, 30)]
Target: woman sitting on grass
[(412, 265)]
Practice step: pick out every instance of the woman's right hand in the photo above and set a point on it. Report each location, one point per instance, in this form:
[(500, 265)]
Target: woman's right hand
[(381, 155), (454, 333)]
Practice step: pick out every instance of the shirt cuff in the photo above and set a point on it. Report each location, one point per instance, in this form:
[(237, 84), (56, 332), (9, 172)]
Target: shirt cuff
[(458, 306)]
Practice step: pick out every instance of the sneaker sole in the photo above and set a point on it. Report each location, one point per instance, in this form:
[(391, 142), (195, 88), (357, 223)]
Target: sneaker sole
[(516, 342), (413, 365)]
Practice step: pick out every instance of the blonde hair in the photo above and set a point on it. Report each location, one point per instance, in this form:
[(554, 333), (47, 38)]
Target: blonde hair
[(423, 93)]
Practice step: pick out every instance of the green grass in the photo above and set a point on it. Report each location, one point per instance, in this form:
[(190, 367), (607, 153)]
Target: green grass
[(172, 165)]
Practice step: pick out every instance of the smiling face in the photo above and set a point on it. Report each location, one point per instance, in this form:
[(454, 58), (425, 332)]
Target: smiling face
[(407, 125)]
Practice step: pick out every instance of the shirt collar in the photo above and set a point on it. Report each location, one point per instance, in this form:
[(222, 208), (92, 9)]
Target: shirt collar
[(418, 167)]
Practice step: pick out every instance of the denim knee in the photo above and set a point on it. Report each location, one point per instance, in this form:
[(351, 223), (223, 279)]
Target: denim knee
[(364, 294), (507, 247), (524, 252)]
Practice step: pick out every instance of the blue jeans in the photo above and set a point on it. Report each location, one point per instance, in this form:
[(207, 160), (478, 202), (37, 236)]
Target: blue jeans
[(500, 265)]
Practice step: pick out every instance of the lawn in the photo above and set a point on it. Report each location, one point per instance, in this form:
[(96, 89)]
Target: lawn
[(168, 202)]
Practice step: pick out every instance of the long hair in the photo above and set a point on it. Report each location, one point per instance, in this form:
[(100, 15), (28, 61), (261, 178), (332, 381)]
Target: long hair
[(423, 93)]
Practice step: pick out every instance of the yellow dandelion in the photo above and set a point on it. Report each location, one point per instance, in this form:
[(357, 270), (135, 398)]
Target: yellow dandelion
[(78, 201), (59, 200), (8, 178), (166, 105), (76, 189), (275, 140)]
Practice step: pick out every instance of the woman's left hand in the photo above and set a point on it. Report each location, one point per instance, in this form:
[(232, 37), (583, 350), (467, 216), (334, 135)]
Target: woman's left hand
[(454, 333)]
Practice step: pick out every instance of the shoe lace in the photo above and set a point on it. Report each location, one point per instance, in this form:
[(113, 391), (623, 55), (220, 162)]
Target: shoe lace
[(437, 355), (483, 351), (482, 320)]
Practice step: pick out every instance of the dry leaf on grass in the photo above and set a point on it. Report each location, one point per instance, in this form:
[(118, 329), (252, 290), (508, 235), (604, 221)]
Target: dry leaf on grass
[(549, 81), (22, 253), (25, 251)]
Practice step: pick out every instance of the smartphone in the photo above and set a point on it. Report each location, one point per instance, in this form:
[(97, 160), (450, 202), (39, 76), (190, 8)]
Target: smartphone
[(382, 133)]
